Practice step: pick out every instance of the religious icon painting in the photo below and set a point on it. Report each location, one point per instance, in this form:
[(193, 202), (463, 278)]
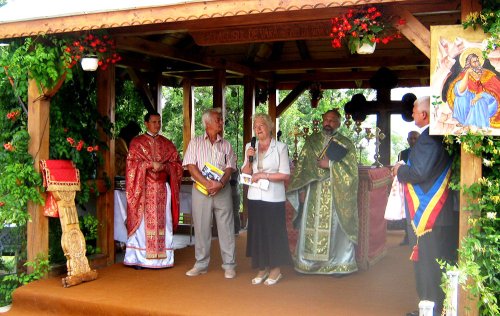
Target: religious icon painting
[(465, 84)]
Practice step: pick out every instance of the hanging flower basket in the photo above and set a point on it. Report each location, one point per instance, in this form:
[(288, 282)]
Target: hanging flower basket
[(90, 63), (366, 48), (364, 25), (99, 46)]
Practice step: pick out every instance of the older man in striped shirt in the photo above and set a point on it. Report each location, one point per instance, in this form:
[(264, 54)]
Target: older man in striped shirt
[(212, 148)]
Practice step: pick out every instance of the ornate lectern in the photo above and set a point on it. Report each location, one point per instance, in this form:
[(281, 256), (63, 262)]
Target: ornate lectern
[(62, 180)]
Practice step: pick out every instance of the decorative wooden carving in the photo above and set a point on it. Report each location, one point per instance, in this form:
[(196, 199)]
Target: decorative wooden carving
[(62, 179), (72, 241), (264, 33)]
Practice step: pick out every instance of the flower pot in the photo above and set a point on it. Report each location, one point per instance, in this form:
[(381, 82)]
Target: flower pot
[(366, 48), (5, 309), (89, 63)]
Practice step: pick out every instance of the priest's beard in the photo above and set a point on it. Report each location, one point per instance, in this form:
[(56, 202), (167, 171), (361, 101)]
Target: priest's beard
[(328, 131)]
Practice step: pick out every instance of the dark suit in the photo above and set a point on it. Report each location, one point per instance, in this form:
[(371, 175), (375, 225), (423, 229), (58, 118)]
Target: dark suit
[(428, 159), (403, 155)]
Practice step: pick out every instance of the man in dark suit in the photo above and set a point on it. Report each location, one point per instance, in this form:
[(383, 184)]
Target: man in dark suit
[(403, 156), (430, 207), (412, 139)]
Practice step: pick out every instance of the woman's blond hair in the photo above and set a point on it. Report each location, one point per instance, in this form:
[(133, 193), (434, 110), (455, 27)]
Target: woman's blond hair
[(267, 120)]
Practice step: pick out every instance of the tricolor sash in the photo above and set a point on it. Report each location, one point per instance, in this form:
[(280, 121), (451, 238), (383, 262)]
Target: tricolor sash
[(424, 208)]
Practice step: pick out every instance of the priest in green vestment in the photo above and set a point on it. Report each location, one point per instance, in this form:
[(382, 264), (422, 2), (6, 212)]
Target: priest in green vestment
[(324, 190)]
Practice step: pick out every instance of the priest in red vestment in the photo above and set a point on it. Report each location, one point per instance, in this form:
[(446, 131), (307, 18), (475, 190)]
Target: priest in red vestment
[(153, 178)]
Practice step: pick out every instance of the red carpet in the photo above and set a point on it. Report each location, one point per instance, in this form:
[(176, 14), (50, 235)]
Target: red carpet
[(385, 289)]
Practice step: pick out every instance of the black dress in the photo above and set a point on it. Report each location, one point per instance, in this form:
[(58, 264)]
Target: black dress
[(267, 240)]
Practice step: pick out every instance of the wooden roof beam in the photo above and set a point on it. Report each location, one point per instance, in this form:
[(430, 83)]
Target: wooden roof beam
[(348, 75), (347, 84), (150, 48), (337, 63), (292, 96), (413, 30), (355, 84), (142, 86), (303, 50)]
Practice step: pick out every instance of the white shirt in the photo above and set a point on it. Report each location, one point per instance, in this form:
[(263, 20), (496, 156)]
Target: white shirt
[(423, 128), (275, 160), (200, 150)]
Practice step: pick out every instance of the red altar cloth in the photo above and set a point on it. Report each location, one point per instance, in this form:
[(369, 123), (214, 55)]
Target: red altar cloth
[(373, 191)]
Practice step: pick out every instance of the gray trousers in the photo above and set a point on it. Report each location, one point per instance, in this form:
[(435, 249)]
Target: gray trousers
[(222, 207)]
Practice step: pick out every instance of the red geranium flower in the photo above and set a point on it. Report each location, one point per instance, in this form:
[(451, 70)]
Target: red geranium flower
[(363, 25), (99, 46)]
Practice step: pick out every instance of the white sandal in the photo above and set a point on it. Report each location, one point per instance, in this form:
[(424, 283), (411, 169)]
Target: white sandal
[(259, 280), (270, 281)]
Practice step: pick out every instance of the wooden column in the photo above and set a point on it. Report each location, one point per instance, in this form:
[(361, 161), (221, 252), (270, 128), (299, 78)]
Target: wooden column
[(248, 108), (38, 129), (105, 200), (219, 92), (469, 6), (187, 113), (272, 104), (384, 123), (159, 95), (248, 111), (470, 172)]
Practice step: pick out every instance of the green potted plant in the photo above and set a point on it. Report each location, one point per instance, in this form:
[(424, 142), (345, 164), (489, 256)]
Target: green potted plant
[(362, 29)]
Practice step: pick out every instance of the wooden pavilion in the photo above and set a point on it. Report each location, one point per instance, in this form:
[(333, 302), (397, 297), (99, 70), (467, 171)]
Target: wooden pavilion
[(273, 45)]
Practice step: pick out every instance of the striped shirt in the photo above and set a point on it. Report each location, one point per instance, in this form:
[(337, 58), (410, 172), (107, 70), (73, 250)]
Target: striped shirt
[(200, 150)]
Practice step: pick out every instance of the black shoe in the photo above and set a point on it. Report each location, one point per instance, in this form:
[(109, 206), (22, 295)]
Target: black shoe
[(414, 313)]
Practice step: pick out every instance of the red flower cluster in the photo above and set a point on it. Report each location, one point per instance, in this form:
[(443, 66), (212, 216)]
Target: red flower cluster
[(13, 115), (2, 204), (9, 147), (91, 45), (79, 146), (365, 25)]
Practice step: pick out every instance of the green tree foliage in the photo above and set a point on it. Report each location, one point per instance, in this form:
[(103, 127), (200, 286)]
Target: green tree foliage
[(203, 99), (300, 115), (128, 106), (18, 179), (80, 121), (11, 282), (172, 116), (399, 143), (233, 131)]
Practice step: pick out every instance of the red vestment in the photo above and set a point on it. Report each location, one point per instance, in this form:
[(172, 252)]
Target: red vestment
[(146, 191)]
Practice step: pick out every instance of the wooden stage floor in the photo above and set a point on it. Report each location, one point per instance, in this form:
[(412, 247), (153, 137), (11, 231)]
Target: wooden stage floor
[(386, 289)]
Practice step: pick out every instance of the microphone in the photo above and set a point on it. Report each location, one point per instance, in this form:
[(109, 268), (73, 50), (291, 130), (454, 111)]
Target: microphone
[(252, 144)]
